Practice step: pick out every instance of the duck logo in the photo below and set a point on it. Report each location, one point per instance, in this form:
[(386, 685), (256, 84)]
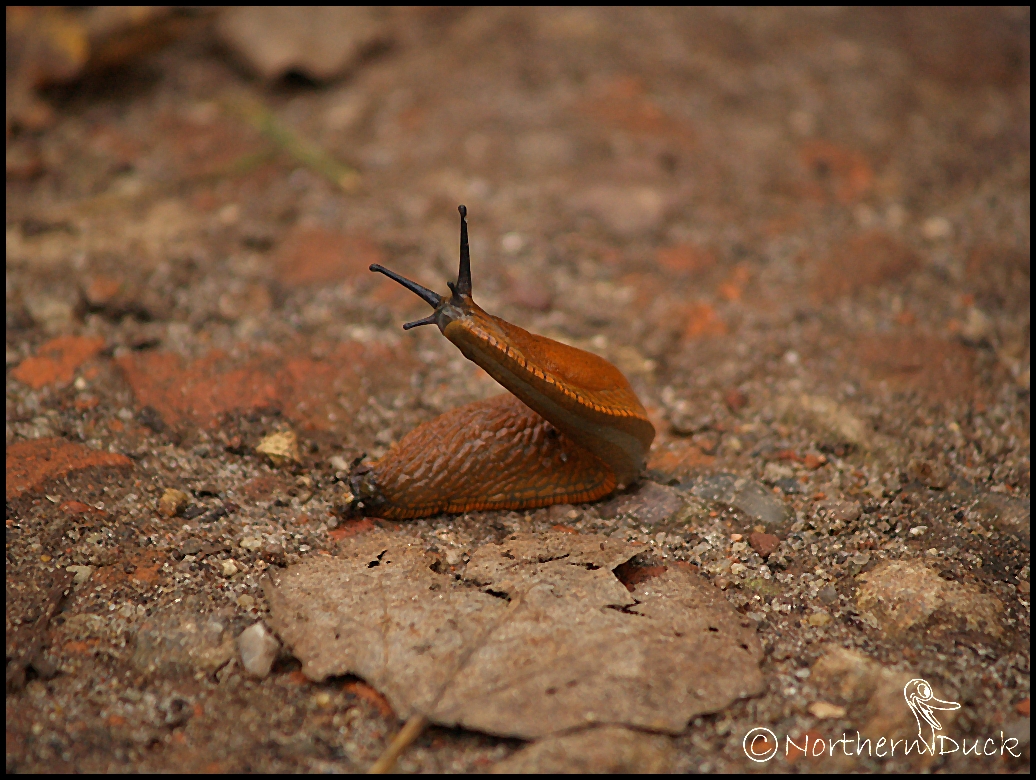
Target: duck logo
[(922, 702)]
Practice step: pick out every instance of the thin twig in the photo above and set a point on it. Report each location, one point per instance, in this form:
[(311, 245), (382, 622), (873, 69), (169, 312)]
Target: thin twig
[(304, 151), (411, 730)]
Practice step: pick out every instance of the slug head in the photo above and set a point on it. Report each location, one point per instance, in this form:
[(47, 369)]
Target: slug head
[(446, 309)]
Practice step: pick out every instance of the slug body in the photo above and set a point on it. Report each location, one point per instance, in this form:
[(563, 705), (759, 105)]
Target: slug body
[(572, 429)]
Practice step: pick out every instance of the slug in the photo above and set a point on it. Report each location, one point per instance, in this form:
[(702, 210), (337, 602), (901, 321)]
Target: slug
[(572, 430)]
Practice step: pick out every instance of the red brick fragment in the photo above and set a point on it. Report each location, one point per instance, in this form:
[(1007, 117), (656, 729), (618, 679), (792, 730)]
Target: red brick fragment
[(938, 368), (679, 459), (734, 285), (32, 463), (319, 256), (812, 744), (631, 574), (702, 320), (86, 403), (102, 290), (811, 461), (263, 487), (57, 361), (81, 647), (147, 574), (867, 260), (313, 392), (1022, 707), (844, 173), (685, 259), (623, 104), (764, 544), (79, 508), (735, 400), (351, 528)]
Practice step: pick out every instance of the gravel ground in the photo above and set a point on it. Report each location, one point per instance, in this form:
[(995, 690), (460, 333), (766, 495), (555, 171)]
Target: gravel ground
[(803, 236)]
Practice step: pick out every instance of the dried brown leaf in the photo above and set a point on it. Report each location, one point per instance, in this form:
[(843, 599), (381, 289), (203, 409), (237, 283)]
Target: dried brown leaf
[(538, 637), (609, 749)]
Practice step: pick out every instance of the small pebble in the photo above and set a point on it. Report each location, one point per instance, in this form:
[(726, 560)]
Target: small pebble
[(45, 666), (454, 557), (774, 472), (823, 710), (764, 544), (228, 568), (936, 228), (258, 649), (978, 326), (82, 573), (512, 243), (280, 448), (192, 512)]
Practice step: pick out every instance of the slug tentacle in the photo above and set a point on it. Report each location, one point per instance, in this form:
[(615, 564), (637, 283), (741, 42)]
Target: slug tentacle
[(463, 285), (432, 298), (574, 403)]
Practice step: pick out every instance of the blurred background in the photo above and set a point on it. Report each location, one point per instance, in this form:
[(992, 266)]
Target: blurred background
[(706, 197)]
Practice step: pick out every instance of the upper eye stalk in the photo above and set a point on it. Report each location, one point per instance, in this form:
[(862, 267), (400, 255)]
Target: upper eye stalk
[(461, 288)]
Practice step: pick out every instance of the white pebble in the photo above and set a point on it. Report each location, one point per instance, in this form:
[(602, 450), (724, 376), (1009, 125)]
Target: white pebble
[(512, 243), (258, 649), (82, 573), (936, 228)]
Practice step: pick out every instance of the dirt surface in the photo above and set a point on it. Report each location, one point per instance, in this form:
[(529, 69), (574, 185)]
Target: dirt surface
[(802, 235)]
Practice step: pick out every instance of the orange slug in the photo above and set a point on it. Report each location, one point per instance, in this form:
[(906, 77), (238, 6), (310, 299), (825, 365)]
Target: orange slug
[(571, 431)]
